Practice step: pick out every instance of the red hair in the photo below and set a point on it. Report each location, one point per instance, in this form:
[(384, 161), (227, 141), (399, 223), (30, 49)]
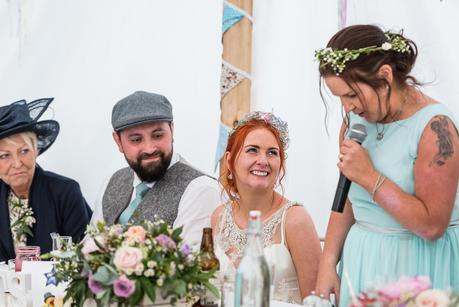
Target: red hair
[(234, 146)]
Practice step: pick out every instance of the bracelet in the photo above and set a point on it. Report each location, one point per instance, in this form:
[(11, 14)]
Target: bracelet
[(377, 185)]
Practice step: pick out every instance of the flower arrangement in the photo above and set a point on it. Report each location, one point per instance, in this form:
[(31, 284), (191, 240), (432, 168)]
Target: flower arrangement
[(407, 291), (22, 215), (124, 263), (337, 58)]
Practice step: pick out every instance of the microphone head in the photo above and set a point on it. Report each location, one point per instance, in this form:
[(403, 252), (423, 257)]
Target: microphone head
[(358, 133)]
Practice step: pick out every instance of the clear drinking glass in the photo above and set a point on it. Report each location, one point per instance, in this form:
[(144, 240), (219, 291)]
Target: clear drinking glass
[(60, 243), (11, 264), (26, 253)]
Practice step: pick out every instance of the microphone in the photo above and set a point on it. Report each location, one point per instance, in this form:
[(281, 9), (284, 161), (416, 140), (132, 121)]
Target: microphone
[(358, 133)]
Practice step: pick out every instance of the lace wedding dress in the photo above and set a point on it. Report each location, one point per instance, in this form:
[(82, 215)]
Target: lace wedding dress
[(230, 242)]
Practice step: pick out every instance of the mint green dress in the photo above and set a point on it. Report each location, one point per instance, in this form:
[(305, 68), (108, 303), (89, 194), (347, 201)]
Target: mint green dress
[(377, 248)]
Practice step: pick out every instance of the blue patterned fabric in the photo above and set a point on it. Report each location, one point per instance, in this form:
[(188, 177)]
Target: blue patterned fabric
[(230, 17), (223, 134)]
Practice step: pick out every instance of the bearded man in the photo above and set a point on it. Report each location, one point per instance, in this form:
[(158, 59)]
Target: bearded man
[(158, 182)]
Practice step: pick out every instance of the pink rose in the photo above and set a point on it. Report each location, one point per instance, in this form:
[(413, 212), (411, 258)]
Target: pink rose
[(405, 286), (127, 259), (137, 233), (413, 284), (432, 298), (391, 291), (90, 246)]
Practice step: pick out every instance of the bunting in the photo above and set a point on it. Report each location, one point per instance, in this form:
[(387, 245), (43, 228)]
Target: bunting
[(230, 77), (235, 79)]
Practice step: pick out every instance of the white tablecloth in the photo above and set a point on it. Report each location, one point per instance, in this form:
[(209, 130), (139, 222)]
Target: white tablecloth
[(29, 286)]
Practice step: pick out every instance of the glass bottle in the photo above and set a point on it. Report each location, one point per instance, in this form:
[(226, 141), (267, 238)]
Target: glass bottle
[(208, 261), (227, 287), (252, 287)]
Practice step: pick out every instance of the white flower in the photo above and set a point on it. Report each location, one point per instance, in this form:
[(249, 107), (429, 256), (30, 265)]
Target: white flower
[(29, 220), (22, 219), (386, 46), (151, 264), (432, 297), (149, 273), (172, 269), (139, 269), (160, 282), (89, 245)]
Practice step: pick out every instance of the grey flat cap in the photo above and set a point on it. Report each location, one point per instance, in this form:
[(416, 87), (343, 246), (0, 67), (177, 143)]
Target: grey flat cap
[(140, 108)]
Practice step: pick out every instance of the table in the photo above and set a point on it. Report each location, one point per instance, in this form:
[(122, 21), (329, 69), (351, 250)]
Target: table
[(27, 288)]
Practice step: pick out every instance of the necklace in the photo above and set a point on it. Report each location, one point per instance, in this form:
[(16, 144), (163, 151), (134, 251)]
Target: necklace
[(396, 116), (380, 134)]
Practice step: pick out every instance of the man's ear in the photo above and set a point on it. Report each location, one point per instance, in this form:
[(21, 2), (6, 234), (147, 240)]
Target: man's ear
[(172, 130), (117, 139), (385, 71)]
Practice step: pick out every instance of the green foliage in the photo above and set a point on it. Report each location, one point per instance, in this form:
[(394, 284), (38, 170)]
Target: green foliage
[(337, 58), (149, 256)]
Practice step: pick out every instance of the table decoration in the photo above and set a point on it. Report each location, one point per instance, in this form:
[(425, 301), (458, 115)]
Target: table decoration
[(131, 265)]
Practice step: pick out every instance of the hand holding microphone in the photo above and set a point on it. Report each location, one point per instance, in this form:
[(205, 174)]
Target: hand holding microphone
[(358, 133)]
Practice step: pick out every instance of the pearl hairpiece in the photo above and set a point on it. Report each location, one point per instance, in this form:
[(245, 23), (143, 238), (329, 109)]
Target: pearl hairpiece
[(270, 119)]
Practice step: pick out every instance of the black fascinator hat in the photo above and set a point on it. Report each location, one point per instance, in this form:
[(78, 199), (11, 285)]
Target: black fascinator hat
[(21, 116)]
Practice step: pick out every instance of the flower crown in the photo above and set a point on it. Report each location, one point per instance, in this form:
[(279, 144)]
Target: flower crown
[(337, 58), (270, 119)]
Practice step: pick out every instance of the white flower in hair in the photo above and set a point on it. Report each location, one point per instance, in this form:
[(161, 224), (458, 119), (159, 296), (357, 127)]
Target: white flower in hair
[(386, 46), (337, 58)]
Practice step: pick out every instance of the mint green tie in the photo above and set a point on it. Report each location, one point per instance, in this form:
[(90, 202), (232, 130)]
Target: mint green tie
[(140, 191)]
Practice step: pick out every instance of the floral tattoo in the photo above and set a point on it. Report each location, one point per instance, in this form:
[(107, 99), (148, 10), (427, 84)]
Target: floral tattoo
[(444, 141)]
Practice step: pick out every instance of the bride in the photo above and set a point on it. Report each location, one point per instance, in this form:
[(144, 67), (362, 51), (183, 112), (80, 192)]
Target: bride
[(254, 166)]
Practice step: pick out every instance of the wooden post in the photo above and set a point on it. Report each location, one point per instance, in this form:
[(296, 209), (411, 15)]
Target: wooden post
[(237, 50)]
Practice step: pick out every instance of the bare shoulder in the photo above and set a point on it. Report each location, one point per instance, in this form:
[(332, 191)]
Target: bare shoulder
[(297, 217), (299, 227)]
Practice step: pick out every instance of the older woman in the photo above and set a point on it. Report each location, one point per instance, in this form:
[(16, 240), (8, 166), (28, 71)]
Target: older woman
[(34, 202)]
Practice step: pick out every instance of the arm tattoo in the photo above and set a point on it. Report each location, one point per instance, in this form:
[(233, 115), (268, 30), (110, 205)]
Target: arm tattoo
[(444, 142)]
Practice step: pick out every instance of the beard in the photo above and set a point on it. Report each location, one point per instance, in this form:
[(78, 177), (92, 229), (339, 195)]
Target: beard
[(152, 171)]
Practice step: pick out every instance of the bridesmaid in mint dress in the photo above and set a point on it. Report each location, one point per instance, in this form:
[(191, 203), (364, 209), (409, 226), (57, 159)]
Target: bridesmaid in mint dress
[(402, 213)]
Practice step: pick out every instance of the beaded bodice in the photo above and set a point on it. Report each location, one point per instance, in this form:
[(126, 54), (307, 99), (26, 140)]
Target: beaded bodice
[(232, 240)]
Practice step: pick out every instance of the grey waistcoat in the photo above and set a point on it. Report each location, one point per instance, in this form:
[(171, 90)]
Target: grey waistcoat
[(161, 200)]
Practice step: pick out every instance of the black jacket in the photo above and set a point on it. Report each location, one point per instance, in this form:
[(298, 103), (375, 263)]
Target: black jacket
[(58, 206)]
